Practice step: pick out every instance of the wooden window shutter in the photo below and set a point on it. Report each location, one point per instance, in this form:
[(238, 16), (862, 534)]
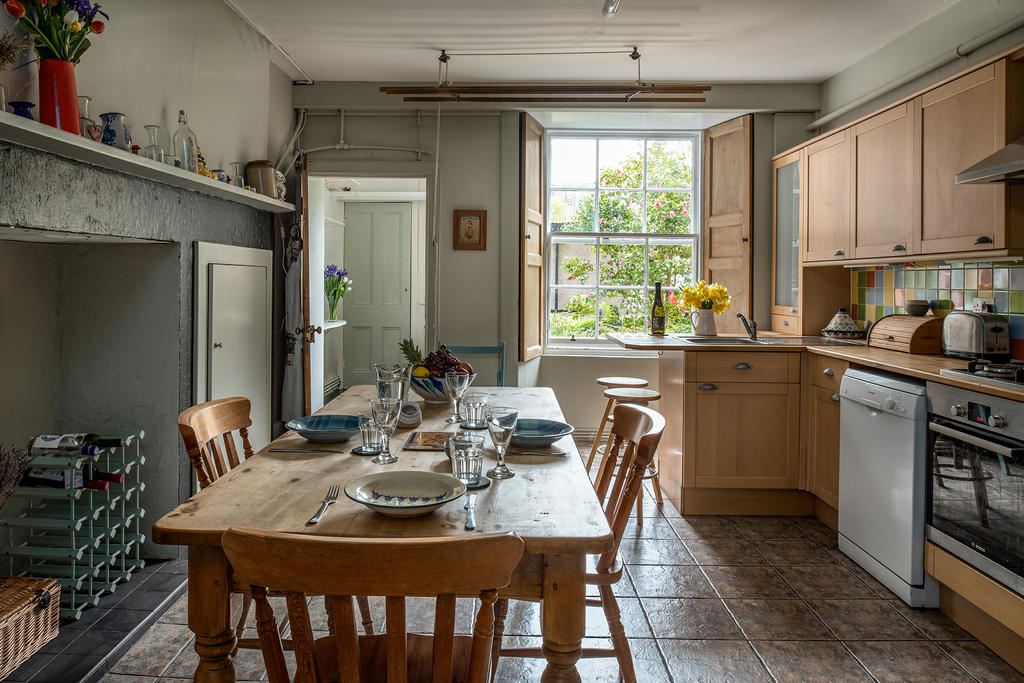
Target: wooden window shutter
[(728, 204), (531, 237)]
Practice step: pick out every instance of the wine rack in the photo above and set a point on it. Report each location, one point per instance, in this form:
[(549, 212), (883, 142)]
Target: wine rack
[(89, 540)]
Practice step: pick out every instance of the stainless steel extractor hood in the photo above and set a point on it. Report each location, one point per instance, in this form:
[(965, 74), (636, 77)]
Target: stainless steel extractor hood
[(1005, 166)]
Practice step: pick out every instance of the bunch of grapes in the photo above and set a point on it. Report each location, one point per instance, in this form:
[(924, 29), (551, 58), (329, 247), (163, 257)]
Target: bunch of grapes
[(441, 361)]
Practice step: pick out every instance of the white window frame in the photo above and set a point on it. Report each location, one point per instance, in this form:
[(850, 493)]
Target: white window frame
[(596, 345)]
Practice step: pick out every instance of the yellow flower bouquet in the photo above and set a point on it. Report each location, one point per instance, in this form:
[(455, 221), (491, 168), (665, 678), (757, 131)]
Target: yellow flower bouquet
[(714, 297)]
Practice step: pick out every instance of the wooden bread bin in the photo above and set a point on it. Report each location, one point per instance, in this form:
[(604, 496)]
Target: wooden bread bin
[(907, 333)]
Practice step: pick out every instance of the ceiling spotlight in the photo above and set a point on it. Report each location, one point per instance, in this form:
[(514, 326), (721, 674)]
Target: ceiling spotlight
[(610, 7)]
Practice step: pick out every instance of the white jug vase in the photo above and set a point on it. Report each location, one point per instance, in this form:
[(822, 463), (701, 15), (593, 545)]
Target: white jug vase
[(703, 321)]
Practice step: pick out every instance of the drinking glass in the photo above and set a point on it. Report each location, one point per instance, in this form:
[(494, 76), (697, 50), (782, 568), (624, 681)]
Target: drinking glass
[(501, 423), (153, 150), (474, 405), (385, 415), (455, 385), (467, 452), (369, 433), (393, 380)]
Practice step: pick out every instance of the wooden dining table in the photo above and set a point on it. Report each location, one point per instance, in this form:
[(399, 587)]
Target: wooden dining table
[(550, 503)]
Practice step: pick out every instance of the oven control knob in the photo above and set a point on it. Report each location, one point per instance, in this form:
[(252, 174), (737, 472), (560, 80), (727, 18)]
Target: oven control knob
[(996, 421), (957, 410)]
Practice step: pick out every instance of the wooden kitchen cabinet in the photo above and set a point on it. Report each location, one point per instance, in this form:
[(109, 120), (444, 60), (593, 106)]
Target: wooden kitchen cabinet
[(885, 167), (823, 445), (788, 219), (827, 193)]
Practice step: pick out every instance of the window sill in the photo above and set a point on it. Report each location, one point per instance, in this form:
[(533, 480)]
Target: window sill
[(597, 352)]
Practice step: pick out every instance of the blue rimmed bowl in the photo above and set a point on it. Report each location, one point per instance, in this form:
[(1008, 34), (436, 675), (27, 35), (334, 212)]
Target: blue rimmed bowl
[(539, 433), (325, 428), (430, 389), (405, 493)]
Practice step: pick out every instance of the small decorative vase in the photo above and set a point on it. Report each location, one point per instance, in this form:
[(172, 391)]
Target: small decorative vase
[(58, 95), (332, 307), (22, 108), (115, 131), (703, 321)]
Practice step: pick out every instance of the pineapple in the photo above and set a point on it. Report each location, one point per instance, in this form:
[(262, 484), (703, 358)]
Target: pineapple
[(411, 352)]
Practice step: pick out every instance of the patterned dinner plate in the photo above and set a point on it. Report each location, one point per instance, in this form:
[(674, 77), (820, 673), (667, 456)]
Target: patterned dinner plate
[(405, 493)]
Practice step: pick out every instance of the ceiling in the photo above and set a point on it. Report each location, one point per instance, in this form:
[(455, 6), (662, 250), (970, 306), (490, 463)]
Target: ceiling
[(681, 40)]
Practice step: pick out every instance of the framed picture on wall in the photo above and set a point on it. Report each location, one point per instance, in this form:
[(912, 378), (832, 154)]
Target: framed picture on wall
[(470, 229)]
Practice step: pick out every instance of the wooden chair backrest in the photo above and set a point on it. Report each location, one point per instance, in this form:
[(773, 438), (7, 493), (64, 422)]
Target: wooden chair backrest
[(203, 424), (299, 565), (631, 444)]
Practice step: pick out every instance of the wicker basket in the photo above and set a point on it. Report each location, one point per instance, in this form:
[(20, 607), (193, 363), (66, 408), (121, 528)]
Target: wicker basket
[(29, 617)]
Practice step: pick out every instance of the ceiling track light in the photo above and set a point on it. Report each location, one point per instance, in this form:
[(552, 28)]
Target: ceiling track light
[(610, 7)]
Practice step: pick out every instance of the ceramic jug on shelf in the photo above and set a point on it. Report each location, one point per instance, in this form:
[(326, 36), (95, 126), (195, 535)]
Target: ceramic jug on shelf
[(115, 130), (703, 321)]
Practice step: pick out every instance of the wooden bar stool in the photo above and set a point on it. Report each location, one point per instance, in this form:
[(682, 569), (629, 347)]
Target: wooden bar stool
[(637, 396), (611, 383)]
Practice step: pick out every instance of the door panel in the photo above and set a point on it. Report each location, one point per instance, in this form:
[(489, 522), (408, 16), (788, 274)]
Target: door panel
[(378, 256), (823, 442), (827, 233), (728, 198), (239, 341), (531, 236), (884, 211)]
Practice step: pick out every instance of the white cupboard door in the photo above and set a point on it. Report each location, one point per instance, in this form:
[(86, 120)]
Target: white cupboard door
[(378, 256), (239, 341)]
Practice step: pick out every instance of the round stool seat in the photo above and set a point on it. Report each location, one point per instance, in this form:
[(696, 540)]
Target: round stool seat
[(621, 382), (632, 395)]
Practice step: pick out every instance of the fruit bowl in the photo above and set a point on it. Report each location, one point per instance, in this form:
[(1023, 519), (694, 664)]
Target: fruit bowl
[(430, 389)]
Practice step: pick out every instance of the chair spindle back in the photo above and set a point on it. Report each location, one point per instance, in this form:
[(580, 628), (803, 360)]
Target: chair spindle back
[(202, 425)]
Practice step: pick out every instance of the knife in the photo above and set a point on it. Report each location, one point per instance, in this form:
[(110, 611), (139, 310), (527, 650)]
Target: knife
[(470, 504)]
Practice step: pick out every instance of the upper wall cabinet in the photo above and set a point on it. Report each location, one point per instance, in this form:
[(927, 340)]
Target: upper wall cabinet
[(961, 123), (884, 217), (786, 249), (827, 230)]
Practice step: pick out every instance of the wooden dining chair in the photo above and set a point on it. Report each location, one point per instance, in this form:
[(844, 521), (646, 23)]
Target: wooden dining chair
[(298, 565), (636, 432), (201, 427)]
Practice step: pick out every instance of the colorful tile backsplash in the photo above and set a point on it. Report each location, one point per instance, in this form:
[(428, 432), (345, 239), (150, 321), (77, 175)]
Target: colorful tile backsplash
[(879, 291)]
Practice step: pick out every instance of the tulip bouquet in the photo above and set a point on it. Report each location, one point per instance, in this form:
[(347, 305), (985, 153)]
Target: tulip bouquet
[(336, 283), (60, 28)]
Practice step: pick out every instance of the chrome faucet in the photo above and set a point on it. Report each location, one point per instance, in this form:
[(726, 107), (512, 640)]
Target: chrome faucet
[(749, 325)]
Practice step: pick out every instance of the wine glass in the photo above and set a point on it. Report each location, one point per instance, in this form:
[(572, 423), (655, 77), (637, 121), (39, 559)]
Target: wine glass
[(393, 380), (501, 423), (385, 414), (455, 385)]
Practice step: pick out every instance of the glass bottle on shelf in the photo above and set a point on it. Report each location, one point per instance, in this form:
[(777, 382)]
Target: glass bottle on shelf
[(89, 128), (153, 149), (186, 146), (236, 174)]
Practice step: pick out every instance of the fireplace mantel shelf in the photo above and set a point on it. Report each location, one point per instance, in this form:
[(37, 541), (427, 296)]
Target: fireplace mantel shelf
[(32, 134)]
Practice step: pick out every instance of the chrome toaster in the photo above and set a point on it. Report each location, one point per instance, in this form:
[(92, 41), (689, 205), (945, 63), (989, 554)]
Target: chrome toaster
[(970, 334)]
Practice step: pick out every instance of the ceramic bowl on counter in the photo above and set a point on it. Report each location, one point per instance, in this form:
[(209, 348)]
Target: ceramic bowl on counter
[(916, 307)]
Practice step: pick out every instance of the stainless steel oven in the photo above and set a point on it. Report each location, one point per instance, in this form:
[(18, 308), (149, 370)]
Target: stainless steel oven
[(976, 487)]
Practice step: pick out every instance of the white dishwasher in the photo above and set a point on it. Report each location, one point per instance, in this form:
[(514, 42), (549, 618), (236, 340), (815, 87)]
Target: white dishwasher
[(883, 476)]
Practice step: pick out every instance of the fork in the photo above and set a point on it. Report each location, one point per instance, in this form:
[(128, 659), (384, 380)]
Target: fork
[(331, 497)]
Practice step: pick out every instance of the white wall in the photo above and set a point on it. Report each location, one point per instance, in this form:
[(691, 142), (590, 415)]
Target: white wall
[(574, 380), (197, 55), (938, 36)]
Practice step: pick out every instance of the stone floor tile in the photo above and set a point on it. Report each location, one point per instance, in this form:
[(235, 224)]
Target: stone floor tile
[(933, 623), (155, 651), (653, 527), (670, 581), (825, 582), (126, 678), (723, 551), (65, 668), (178, 613), (704, 527), (979, 661), (767, 528), (864, 620), (712, 660), (647, 663), (817, 531), (899, 661), (690, 618), (777, 620), (794, 552), (810, 660), (748, 582), (654, 551)]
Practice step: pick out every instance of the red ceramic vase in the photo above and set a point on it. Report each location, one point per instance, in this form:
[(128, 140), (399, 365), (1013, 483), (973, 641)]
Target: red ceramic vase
[(58, 95)]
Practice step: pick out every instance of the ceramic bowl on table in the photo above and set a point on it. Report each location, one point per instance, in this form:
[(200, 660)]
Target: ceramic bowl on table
[(325, 428), (430, 389), (539, 433), (405, 493)]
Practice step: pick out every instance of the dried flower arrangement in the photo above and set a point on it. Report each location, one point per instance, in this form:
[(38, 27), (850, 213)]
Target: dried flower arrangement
[(13, 463), (11, 45)]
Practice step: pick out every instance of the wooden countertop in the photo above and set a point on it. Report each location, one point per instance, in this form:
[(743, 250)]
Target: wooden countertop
[(676, 342)]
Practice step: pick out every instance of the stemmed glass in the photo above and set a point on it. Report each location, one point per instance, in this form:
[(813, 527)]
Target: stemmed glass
[(393, 380), (501, 423), (455, 385), (385, 414)]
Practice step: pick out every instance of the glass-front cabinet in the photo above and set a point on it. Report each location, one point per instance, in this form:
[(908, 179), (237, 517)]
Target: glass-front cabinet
[(788, 220)]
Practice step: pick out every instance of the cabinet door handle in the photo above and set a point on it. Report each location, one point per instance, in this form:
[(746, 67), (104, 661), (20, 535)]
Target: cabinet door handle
[(834, 397), (984, 239), (707, 386), (839, 252), (785, 323), (899, 247), (828, 372), (742, 366), (793, 310)]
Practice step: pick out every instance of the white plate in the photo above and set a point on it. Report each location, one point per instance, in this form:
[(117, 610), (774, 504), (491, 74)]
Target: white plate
[(405, 493)]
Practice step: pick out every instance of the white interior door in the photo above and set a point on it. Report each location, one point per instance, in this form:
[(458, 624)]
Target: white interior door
[(315, 259), (239, 341), (378, 255)]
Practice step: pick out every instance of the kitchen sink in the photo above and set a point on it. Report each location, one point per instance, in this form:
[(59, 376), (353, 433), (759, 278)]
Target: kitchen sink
[(776, 341), (730, 341)]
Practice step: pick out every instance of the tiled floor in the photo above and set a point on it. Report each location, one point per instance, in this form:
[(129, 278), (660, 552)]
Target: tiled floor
[(702, 599)]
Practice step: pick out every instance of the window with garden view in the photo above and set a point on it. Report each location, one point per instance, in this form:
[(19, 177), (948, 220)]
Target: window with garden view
[(604, 261)]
